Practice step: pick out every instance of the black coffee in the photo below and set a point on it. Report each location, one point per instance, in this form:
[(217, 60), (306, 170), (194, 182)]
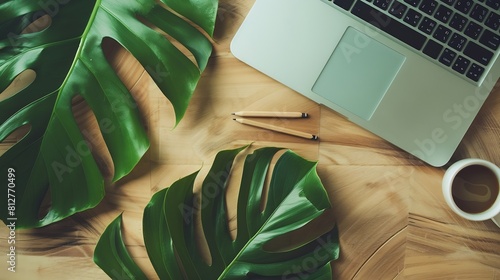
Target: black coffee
[(475, 189)]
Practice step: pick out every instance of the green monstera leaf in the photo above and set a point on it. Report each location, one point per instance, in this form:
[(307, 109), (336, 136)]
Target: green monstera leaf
[(296, 196), (53, 159)]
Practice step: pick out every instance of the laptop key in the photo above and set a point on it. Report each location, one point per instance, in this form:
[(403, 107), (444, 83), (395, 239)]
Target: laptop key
[(447, 57), (398, 9), (475, 72), (448, 2), (495, 4), (428, 6), (490, 39), (458, 22), (493, 21), (443, 14), (414, 3), (473, 30), (478, 53), (427, 25), (432, 49), (461, 64), (442, 34), (464, 6), (389, 25), (457, 42), (479, 13), (382, 4), (412, 17), (344, 4)]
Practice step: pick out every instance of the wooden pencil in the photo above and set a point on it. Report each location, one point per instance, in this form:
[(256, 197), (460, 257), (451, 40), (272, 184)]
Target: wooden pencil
[(271, 114), (277, 129)]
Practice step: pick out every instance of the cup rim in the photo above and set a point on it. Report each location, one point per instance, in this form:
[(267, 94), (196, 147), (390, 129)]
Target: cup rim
[(450, 175)]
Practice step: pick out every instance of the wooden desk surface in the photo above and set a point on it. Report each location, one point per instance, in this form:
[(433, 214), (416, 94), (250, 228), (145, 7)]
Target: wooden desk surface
[(392, 218)]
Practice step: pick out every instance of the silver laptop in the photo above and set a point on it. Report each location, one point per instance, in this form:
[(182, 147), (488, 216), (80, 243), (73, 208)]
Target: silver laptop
[(414, 72)]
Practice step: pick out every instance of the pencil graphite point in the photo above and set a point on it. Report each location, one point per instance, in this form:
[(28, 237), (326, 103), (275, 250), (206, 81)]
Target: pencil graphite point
[(305, 115)]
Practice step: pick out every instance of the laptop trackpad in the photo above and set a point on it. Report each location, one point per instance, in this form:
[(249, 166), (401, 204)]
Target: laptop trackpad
[(358, 73)]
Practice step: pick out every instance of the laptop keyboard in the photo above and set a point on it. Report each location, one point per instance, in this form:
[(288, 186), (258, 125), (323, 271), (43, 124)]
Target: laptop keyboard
[(461, 35)]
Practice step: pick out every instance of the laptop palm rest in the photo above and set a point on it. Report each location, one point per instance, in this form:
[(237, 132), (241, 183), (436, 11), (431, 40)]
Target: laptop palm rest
[(358, 73)]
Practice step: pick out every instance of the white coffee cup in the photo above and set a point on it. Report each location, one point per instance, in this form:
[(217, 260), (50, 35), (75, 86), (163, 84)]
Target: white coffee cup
[(471, 189)]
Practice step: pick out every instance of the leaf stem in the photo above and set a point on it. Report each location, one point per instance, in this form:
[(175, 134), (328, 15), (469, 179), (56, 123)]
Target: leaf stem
[(80, 47)]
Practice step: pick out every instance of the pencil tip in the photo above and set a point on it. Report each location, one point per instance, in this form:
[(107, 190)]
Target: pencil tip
[(315, 137), (305, 115), (234, 119), (233, 113)]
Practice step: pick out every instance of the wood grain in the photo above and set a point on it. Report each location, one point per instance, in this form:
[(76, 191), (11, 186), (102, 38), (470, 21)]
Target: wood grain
[(392, 218)]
